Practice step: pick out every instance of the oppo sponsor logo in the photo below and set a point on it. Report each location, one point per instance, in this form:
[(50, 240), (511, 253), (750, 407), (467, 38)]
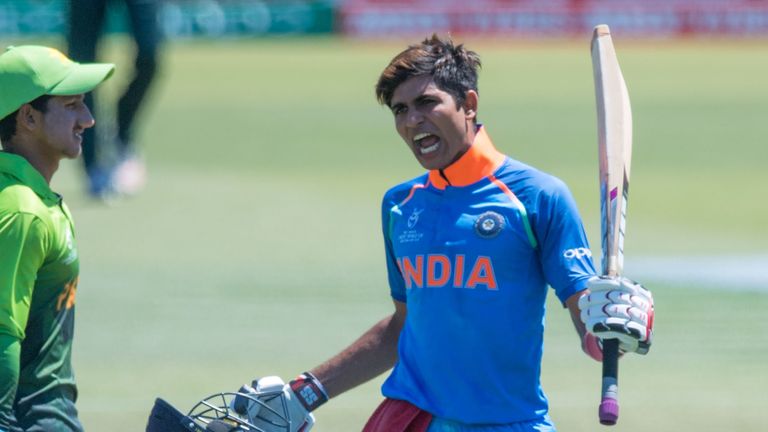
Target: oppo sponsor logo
[(577, 253)]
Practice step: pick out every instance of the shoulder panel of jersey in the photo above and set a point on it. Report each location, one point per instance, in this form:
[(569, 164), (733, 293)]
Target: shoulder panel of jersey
[(23, 190), (530, 186), (555, 222), (19, 198), (398, 195)]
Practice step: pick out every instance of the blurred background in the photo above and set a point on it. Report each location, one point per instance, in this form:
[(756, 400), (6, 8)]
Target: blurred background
[(255, 248)]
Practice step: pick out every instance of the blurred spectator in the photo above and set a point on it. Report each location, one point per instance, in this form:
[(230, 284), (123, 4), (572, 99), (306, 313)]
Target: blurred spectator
[(126, 174)]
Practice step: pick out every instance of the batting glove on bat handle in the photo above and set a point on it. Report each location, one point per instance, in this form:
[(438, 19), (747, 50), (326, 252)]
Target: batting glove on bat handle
[(619, 308)]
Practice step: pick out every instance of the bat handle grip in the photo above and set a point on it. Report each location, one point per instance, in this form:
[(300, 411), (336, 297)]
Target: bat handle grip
[(609, 403)]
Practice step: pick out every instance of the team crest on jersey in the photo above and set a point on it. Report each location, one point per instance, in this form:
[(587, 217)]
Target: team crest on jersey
[(489, 224)]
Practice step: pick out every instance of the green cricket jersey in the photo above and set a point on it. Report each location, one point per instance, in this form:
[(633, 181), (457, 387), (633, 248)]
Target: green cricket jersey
[(38, 279)]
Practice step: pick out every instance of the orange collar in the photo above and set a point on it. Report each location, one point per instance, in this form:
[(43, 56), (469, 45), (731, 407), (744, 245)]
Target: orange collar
[(481, 160)]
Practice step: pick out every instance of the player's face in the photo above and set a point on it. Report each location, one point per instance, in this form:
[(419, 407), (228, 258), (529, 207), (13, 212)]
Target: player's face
[(428, 120), (62, 124)]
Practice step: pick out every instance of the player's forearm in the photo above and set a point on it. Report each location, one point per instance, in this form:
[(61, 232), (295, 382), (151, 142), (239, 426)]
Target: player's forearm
[(372, 354), (572, 304)]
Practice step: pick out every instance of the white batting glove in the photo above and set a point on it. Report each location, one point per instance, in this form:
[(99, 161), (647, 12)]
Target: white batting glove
[(283, 407), (619, 308)]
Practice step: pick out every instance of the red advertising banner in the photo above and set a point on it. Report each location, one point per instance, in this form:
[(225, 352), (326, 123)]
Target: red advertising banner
[(377, 18)]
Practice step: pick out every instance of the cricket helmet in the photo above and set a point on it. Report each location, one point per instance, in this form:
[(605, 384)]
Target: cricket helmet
[(245, 410)]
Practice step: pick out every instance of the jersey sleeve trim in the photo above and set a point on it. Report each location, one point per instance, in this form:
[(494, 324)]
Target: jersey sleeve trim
[(412, 191), (577, 286)]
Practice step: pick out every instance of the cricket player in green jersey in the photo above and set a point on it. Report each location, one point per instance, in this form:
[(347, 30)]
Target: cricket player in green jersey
[(42, 118)]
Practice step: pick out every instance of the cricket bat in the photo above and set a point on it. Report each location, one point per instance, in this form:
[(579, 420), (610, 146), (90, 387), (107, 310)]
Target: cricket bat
[(614, 132)]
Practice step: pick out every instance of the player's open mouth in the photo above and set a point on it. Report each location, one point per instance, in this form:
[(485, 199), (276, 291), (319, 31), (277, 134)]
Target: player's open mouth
[(426, 142)]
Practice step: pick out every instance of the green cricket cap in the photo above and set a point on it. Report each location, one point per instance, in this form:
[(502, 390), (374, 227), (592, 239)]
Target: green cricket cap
[(30, 71)]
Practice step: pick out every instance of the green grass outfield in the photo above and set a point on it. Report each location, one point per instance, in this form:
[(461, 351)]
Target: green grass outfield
[(257, 249)]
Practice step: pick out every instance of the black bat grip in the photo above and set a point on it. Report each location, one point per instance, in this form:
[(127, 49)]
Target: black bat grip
[(609, 403)]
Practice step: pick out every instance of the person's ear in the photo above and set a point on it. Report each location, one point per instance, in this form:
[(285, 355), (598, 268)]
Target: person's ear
[(27, 117), (470, 104)]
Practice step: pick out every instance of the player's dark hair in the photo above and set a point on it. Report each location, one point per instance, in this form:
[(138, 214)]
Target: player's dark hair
[(453, 68), (8, 123)]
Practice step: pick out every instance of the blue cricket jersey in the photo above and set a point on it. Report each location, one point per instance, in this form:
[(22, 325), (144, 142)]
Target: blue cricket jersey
[(471, 250)]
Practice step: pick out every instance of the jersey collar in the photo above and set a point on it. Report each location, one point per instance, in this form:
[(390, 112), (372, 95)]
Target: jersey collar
[(18, 167), (481, 160)]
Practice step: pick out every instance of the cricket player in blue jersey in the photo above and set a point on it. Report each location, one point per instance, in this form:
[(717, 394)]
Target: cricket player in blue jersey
[(471, 248)]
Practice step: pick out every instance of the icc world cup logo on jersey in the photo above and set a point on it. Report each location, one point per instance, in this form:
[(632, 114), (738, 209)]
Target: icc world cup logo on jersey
[(410, 235), (413, 219), (489, 224)]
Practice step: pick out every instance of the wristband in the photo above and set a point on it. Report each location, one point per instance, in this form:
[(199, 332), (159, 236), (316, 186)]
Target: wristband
[(309, 390)]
